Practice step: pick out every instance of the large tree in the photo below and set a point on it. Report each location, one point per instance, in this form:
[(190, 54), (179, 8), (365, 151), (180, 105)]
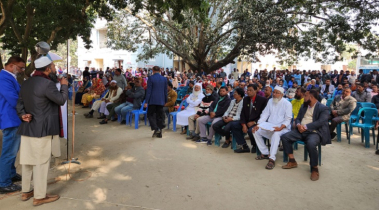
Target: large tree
[(219, 31)]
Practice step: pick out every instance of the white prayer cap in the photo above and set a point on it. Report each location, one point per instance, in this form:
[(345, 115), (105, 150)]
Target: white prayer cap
[(42, 62), (280, 89), (313, 80), (113, 81)]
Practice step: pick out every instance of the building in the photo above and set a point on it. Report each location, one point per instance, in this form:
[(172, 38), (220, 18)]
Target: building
[(100, 56)]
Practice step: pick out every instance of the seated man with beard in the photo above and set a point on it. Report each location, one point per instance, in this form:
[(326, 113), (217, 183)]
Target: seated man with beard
[(312, 128), (278, 114), (112, 95)]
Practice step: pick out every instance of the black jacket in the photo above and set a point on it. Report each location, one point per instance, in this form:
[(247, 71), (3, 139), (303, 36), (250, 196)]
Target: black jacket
[(222, 106), (40, 98), (258, 106), (137, 94), (320, 121), (375, 100)]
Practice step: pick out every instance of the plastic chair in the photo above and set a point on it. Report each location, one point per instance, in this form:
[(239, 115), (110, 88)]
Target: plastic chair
[(368, 123), (329, 102), (339, 131), (368, 105), (136, 113), (174, 114), (182, 92), (354, 116)]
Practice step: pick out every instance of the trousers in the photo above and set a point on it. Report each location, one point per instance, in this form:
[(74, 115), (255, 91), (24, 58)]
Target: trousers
[(274, 136), (224, 128), (103, 107), (239, 137), (193, 124), (39, 173), (111, 109), (123, 108), (156, 117), (334, 122), (11, 145), (202, 121), (311, 140)]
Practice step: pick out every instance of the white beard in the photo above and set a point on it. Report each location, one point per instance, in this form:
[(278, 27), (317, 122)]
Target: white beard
[(275, 100)]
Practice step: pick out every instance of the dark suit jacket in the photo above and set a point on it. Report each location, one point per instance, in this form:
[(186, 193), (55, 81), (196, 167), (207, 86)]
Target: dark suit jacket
[(40, 98), (222, 106), (259, 105), (320, 121), (156, 93)]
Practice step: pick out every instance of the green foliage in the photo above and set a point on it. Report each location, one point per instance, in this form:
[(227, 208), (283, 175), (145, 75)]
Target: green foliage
[(62, 51), (218, 31)]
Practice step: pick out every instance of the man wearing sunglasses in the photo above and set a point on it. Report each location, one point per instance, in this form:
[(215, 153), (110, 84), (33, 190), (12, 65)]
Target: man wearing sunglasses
[(9, 123)]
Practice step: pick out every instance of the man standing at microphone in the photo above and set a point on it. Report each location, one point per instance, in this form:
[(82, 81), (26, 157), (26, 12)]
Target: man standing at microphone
[(38, 107), (156, 98)]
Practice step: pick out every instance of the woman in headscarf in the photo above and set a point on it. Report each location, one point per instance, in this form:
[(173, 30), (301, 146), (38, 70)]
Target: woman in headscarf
[(193, 102), (95, 92), (83, 89)]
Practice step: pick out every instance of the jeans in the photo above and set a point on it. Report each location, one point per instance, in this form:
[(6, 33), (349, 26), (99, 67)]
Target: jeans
[(124, 108), (11, 145)]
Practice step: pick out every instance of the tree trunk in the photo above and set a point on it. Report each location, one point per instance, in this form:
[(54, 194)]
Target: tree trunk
[(1, 62)]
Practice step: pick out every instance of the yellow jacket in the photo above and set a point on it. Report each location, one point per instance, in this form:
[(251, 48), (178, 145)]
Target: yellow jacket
[(296, 104)]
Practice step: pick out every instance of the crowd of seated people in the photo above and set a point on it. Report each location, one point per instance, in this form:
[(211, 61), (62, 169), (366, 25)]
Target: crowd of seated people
[(249, 103)]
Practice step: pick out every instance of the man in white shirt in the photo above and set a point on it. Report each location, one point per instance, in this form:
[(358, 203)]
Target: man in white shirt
[(352, 77), (277, 113)]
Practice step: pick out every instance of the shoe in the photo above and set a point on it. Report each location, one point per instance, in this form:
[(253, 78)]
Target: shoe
[(86, 114), (333, 135), (103, 122), (242, 150), (190, 136), (85, 106), (115, 119), (17, 178), (159, 134), (290, 165), (47, 199), (183, 132), (101, 117), (226, 145), (89, 116), (123, 122), (26, 196), (253, 150), (202, 140), (10, 188), (377, 152), (155, 133), (209, 143), (315, 175), (196, 138)]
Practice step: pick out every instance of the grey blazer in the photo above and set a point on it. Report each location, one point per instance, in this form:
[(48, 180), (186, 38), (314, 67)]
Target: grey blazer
[(344, 107), (320, 121), (40, 98)]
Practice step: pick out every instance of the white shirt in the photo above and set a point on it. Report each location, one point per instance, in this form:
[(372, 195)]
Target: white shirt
[(13, 75), (278, 114)]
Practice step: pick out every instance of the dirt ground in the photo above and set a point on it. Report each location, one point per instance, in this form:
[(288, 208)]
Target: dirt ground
[(124, 168)]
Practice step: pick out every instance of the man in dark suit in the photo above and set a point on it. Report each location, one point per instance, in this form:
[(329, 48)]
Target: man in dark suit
[(253, 106), (312, 128), (156, 98)]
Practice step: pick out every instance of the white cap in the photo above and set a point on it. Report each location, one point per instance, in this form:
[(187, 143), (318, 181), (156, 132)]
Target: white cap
[(280, 89), (42, 62), (113, 81)]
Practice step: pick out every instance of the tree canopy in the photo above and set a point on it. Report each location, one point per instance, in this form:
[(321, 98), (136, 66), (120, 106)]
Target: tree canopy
[(219, 31)]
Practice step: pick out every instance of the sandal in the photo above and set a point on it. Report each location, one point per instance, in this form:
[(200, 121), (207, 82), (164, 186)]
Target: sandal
[(271, 164), (261, 157)]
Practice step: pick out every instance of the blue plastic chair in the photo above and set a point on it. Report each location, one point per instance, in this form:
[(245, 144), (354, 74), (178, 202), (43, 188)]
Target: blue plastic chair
[(182, 92), (339, 131), (218, 138), (329, 102), (368, 105), (354, 116), (174, 114), (70, 93), (368, 123), (136, 113)]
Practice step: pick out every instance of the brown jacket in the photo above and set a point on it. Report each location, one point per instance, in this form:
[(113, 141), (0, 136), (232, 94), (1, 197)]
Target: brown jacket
[(171, 100)]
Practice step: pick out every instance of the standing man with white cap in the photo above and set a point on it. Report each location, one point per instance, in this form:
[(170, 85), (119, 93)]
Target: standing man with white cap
[(276, 121), (38, 107)]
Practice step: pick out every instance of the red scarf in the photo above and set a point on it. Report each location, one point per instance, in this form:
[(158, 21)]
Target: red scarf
[(41, 74)]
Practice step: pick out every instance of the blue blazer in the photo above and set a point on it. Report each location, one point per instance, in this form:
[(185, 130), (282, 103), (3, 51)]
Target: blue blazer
[(156, 93), (9, 90)]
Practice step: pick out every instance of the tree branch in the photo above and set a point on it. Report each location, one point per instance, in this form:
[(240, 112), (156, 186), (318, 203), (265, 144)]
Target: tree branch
[(53, 34)]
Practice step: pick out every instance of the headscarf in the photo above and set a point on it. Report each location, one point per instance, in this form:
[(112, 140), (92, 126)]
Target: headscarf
[(197, 94)]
